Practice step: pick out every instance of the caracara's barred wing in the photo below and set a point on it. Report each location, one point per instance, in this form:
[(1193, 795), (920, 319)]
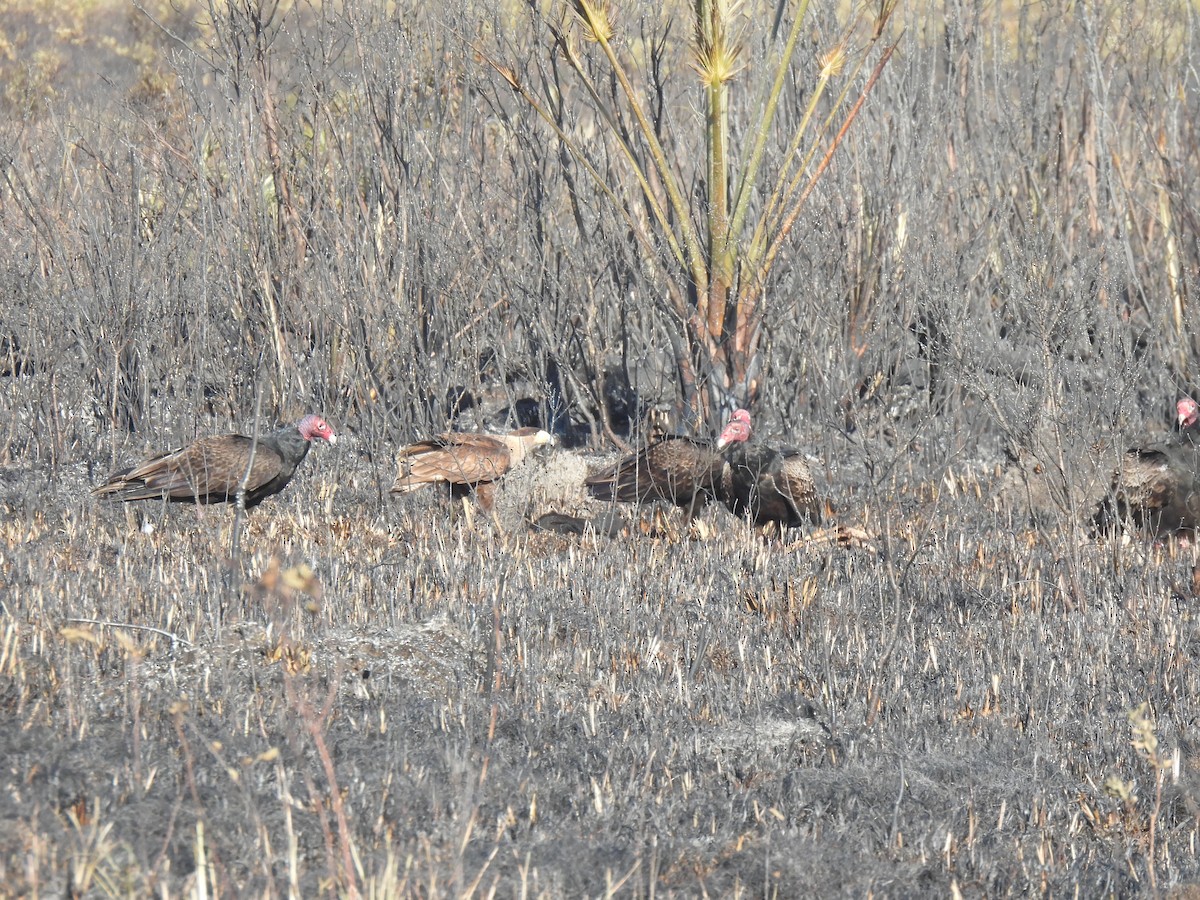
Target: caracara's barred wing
[(455, 459), (464, 460)]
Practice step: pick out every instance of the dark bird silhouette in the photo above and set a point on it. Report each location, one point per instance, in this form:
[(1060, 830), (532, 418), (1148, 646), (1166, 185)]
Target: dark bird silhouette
[(682, 471), (608, 522), (466, 463), (1158, 487), (211, 469), (769, 485)]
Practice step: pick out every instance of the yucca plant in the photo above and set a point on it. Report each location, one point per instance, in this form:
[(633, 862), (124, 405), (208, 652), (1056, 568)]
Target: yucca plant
[(717, 246)]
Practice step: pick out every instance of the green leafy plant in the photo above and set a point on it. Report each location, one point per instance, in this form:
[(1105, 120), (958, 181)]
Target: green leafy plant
[(715, 247)]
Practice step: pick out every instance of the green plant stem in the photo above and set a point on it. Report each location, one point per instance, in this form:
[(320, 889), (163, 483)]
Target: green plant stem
[(750, 171), (696, 263), (720, 259), (786, 227)]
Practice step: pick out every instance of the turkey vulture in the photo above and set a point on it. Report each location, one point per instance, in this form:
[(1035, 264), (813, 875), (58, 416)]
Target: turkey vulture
[(211, 469), (466, 463), (1158, 487), (682, 471), (769, 485)]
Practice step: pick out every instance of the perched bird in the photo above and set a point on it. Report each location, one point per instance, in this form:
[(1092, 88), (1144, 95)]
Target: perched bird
[(769, 484), (466, 463), (211, 469), (682, 471), (1158, 487)]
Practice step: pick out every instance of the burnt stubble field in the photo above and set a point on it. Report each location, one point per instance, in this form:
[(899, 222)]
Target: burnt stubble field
[(345, 209)]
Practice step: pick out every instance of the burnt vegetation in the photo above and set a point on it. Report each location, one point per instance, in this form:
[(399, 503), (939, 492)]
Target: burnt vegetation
[(208, 210)]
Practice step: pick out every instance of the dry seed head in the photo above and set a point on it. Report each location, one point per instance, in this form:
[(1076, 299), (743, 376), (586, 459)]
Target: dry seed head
[(597, 17), (833, 61), (717, 52), (508, 75), (717, 65)]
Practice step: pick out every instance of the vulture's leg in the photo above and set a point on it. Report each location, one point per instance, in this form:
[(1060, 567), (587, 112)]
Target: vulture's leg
[(485, 496), (458, 505)]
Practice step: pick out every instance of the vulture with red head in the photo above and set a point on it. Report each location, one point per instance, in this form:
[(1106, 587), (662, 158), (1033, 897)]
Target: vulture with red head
[(466, 463), (211, 469), (682, 471), (1158, 487)]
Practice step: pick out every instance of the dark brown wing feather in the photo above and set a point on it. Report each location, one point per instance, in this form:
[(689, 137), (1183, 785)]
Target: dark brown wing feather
[(1157, 489), (208, 470), (676, 469), (454, 459), (769, 485)]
